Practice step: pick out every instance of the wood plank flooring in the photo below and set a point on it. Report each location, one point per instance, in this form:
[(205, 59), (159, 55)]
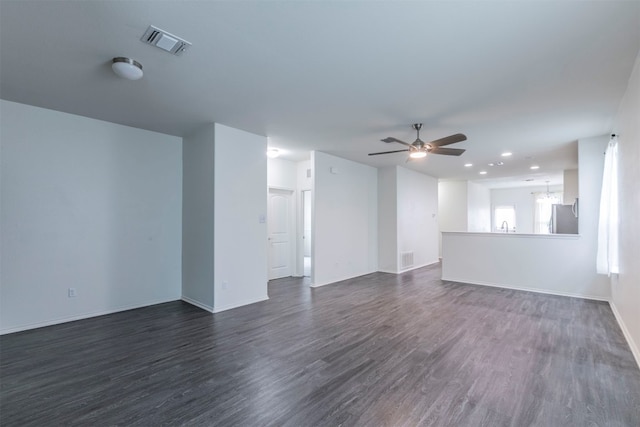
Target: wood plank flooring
[(378, 350)]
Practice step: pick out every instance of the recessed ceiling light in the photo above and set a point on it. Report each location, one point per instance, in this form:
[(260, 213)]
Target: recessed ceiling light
[(272, 153), (506, 154), (534, 167), (491, 164), (483, 172), (500, 163), (468, 165)]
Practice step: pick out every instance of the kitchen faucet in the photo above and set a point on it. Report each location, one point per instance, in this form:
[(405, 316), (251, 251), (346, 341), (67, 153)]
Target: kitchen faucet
[(505, 226)]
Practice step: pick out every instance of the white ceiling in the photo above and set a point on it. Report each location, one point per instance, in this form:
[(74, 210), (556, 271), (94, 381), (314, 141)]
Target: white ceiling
[(528, 77)]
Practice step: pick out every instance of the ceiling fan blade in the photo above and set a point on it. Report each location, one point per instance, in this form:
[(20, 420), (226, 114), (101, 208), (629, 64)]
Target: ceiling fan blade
[(387, 152), (451, 139), (391, 139), (447, 151)]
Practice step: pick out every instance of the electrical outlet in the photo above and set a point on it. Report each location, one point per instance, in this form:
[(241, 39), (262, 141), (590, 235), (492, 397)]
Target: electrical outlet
[(72, 293), (225, 284)]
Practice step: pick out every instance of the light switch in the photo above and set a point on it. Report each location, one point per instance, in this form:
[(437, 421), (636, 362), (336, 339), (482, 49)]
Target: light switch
[(262, 218)]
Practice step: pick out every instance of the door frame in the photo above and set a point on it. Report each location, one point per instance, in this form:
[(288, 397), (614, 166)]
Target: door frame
[(293, 241), (302, 239)]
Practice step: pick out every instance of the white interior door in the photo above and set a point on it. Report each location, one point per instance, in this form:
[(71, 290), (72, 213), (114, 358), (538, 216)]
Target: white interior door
[(280, 221)]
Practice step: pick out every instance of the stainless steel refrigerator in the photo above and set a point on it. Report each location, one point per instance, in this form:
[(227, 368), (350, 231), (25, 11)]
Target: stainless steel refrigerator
[(564, 219)]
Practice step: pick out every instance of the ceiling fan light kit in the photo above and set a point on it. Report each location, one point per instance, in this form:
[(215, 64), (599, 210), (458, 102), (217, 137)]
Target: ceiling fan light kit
[(419, 149)]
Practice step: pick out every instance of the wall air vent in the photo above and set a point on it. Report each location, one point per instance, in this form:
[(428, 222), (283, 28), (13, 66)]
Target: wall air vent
[(165, 41), (406, 260)]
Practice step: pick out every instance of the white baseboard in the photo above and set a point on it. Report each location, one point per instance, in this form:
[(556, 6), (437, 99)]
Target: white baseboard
[(340, 279), (380, 270), (632, 345), (408, 269), (60, 320), (218, 309), (537, 290), (197, 304), (418, 266)]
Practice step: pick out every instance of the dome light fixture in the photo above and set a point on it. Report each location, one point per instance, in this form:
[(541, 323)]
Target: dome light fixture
[(127, 68), (272, 153)]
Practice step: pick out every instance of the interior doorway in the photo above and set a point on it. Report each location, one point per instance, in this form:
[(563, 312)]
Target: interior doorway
[(306, 232), (280, 233)]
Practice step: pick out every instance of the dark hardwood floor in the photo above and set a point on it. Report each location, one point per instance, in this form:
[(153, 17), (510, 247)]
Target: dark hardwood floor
[(378, 350)]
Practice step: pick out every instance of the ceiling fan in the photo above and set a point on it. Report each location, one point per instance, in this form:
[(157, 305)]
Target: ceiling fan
[(419, 148)]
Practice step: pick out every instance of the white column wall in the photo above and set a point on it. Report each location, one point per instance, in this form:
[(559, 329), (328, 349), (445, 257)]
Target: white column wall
[(388, 220), (240, 249), (345, 219), (198, 153)]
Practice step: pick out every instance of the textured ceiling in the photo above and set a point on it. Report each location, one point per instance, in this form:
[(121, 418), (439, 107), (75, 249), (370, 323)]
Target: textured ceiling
[(528, 77)]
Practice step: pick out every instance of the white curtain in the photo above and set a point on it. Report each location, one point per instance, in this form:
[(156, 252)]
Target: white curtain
[(607, 258)]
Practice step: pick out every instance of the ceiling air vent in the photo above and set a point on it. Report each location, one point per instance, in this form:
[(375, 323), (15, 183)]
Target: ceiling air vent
[(165, 41)]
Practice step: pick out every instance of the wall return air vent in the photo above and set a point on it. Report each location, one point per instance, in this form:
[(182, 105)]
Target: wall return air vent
[(165, 41)]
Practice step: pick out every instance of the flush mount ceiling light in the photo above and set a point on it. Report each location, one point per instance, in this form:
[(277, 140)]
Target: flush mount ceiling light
[(272, 153), (127, 68)]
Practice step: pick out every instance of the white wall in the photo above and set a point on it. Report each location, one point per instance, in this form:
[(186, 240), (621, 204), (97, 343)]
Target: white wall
[(345, 219), (282, 174), (463, 206), (570, 191), (198, 214), (524, 201), (304, 181), (452, 205), (240, 251), (626, 289), (591, 165), (556, 264), (478, 207), (417, 216), (388, 220), (85, 204)]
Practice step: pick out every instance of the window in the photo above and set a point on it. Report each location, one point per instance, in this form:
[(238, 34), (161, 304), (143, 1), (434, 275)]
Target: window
[(504, 218)]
